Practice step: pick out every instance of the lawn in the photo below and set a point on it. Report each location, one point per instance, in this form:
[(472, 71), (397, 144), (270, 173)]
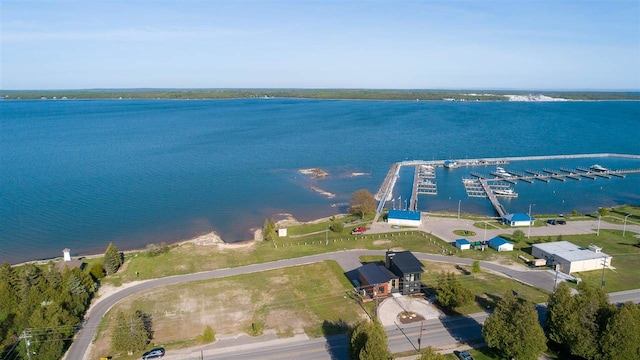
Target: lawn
[(309, 298), (487, 287), (189, 258)]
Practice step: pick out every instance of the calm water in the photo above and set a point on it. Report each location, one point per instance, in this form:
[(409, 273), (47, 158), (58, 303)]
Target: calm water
[(79, 174)]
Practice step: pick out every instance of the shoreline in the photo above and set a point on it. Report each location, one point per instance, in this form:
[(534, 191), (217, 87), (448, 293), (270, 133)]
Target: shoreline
[(211, 238)]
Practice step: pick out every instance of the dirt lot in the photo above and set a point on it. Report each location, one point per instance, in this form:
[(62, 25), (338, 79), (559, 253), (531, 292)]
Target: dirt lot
[(286, 301)]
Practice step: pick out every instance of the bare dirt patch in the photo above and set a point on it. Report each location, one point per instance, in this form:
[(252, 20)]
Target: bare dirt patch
[(382, 242)]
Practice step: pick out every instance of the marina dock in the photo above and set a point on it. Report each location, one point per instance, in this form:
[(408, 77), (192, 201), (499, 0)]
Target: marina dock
[(481, 185)]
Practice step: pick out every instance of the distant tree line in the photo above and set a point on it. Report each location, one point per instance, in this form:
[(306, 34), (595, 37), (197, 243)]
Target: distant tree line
[(342, 94)]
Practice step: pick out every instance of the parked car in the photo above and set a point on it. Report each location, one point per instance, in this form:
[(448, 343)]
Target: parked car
[(153, 354), (358, 230), (463, 355), (551, 222), (561, 222)]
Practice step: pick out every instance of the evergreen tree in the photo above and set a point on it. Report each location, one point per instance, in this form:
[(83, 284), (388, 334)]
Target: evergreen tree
[(475, 268), (450, 293), (130, 333), (269, 230), (513, 330), (112, 259)]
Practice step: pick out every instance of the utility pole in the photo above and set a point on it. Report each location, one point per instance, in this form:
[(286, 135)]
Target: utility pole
[(624, 227), (598, 233), (459, 201), (26, 335), (420, 340), (555, 266), (485, 231), (604, 265)]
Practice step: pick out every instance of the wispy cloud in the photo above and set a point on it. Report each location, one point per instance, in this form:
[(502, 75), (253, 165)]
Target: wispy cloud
[(145, 34)]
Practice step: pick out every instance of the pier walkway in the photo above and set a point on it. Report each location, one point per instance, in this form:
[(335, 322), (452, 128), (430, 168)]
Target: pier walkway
[(493, 198)]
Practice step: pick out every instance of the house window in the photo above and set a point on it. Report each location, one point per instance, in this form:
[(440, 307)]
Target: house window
[(381, 290)]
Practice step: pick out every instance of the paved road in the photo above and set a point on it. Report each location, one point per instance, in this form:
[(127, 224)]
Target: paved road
[(347, 259)]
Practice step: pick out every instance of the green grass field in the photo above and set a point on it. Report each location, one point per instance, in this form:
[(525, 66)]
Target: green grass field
[(311, 298)]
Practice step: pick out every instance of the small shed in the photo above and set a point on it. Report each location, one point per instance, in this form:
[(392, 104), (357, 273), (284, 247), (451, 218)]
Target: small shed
[(463, 244), (404, 218), (500, 244), (518, 219)]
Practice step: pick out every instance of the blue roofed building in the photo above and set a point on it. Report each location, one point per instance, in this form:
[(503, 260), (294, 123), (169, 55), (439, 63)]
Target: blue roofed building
[(518, 219), (404, 218), (500, 244), (463, 244)]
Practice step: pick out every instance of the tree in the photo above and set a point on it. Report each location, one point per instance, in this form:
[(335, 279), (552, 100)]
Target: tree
[(514, 331), (561, 315), (430, 353), (362, 202), (130, 334), (518, 236), (450, 293), (269, 230), (112, 259), (577, 322), (621, 338), (337, 226), (603, 211), (475, 268), (368, 341)]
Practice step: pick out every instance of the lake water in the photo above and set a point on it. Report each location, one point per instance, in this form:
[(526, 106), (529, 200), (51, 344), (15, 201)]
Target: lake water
[(80, 174)]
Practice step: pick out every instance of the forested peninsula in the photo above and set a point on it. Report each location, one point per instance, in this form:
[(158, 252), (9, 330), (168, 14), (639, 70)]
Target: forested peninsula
[(334, 94)]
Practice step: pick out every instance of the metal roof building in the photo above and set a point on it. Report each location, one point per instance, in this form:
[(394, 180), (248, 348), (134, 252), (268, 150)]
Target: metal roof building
[(403, 217), (500, 244), (518, 219), (570, 257)]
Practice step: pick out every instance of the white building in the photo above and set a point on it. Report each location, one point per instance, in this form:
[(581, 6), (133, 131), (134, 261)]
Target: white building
[(404, 218), (518, 219), (571, 257), (463, 244), (500, 244)]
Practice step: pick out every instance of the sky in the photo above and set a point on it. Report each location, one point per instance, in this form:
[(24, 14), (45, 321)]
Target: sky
[(448, 44)]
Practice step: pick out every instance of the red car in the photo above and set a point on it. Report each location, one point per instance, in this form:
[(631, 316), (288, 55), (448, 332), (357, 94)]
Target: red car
[(358, 230)]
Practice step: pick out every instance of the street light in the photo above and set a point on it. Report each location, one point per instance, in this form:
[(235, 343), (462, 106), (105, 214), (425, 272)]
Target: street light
[(598, 232), (529, 232), (459, 209), (624, 227)]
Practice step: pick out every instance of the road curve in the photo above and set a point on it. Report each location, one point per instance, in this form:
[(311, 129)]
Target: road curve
[(348, 259)]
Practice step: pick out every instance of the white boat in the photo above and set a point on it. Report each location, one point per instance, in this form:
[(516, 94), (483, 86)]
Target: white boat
[(501, 172), (598, 168), (505, 192), (450, 164)]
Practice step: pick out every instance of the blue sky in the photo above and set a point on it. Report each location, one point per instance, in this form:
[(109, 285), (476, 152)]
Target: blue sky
[(501, 44)]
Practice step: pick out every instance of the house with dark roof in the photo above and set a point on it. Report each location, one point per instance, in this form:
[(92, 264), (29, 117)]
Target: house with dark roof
[(408, 268), (376, 280)]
